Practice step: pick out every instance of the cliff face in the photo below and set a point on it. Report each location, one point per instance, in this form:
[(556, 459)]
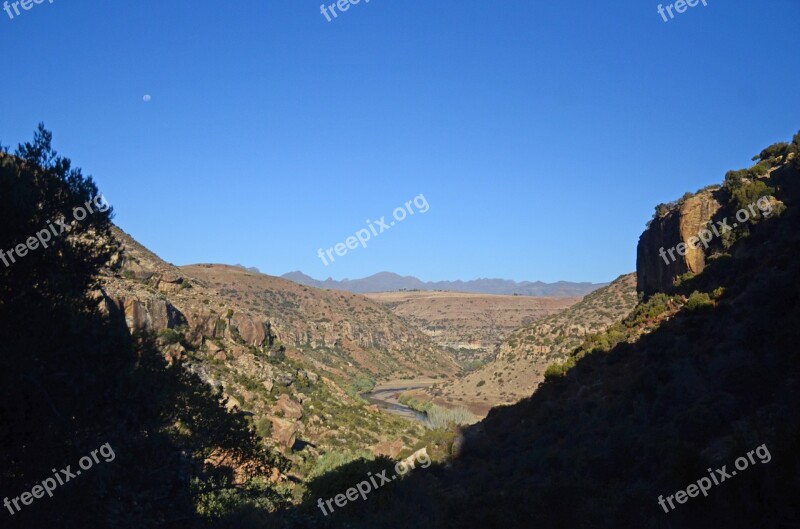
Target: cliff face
[(228, 310), (153, 295), (346, 332), (656, 273), (283, 352)]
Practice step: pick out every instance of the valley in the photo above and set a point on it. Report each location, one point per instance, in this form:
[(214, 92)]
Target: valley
[(471, 325), (276, 394)]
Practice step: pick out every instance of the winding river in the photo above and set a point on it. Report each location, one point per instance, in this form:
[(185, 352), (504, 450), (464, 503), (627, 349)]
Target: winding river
[(385, 396)]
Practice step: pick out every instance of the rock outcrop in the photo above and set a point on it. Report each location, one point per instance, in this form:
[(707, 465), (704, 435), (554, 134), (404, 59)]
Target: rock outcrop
[(287, 408), (284, 431), (656, 273)]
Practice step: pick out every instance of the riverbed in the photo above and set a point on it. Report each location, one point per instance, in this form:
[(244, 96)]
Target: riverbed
[(385, 396)]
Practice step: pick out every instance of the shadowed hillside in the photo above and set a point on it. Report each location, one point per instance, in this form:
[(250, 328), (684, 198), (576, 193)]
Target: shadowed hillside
[(693, 380)]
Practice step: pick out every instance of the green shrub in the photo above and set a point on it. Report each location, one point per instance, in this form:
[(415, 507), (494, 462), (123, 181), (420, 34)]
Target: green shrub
[(698, 300), (481, 383), (169, 336), (662, 210), (555, 371), (414, 404), (748, 193), (361, 384), (651, 309), (678, 281), (264, 427), (734, 180), (773, 151)]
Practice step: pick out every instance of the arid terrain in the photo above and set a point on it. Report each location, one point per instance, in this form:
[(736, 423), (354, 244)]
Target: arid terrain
[(525, 355), (472, 325)]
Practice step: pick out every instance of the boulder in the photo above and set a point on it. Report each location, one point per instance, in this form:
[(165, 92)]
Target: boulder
[(285, 379), (251, 330), (284, 431), (287, 407), (168, 281), (232, 403)]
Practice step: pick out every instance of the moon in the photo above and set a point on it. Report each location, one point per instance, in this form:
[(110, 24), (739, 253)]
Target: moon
[(146, 98)]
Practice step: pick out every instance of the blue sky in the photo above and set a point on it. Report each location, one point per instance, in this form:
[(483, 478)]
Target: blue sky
[(542, 134)]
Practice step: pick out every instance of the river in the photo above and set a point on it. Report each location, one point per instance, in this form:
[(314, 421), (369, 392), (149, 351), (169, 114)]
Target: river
[(385, 396)]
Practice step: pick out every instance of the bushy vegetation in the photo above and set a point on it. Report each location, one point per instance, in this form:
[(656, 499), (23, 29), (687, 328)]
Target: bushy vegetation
[(698, 300), (170, 336), (441, 417), (361, 384), (421, 406), (773, 151), (330, 461)]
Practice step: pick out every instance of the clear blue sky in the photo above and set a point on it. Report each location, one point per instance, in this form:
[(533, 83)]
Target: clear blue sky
[(541, 133)]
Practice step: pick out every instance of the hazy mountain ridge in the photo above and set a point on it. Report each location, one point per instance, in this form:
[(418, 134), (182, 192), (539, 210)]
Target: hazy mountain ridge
[(389, 282)]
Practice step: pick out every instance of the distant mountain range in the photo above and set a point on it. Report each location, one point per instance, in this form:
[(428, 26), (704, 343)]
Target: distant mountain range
[(390, 282)]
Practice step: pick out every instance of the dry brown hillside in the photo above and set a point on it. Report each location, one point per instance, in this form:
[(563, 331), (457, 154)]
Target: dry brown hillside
[(339, 331), (291, 356), (524, 356), (473, 325)]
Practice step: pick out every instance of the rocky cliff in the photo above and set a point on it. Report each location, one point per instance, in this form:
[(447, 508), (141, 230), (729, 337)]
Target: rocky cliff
[(230, 311), (338, 331), (676, 224)]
